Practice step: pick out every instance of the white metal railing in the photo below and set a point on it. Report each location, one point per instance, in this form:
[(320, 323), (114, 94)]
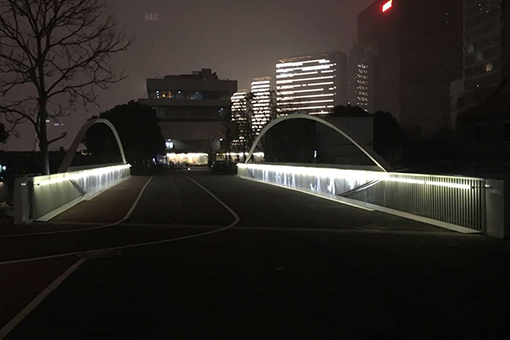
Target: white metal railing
[(452, 200), (42, 197)]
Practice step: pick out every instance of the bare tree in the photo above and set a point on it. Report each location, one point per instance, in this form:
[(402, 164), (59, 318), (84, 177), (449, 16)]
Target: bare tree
[(54, 54)]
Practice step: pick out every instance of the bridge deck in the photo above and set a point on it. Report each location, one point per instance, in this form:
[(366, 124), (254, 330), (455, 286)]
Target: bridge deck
[(294, 265)]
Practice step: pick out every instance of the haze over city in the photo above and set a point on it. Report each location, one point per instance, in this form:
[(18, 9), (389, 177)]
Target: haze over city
[(329, 169), (237, 39)]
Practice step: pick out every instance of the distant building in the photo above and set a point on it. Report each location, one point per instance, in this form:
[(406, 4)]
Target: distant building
[(261, 91), (362, 81), (486, 50), (311, 84), (483, 107), (406, 55), (190, 107), (239, 113)]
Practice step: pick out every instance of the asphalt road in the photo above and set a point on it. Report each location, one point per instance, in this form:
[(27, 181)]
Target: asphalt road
[(293, 266)]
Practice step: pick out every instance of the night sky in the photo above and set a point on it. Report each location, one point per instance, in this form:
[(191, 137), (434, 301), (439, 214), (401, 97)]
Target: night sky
[(238, 39)]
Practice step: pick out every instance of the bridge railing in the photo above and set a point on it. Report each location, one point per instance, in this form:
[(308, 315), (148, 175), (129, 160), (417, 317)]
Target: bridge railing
[(453, 202), (43, 197)]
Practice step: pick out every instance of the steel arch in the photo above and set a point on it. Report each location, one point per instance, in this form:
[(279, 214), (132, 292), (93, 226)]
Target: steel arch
[(374, 157), (66, 163)]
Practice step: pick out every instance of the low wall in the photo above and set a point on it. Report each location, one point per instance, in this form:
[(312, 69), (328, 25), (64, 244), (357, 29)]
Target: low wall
[(452, 202), (43, 197)]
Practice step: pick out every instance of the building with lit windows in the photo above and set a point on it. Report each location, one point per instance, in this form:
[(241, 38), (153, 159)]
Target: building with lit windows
[(361, 79), (240, 113), (190, 108), (311, 84), (486, 50), (262, 99), (409, 51), (481, 99)]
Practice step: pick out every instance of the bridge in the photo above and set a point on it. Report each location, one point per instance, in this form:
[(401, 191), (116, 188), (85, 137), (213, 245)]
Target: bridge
[(462, 204), (293, 250)]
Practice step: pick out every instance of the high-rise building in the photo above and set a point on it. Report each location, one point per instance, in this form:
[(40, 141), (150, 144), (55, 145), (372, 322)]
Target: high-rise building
[(261, 103), (312, 84), (481, 99), (486, 49), (409, 51), (240, 113), (362, 70)]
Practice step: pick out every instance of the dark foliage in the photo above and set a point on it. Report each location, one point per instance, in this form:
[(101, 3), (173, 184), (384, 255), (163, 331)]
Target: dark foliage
[(138, 129), (389, 138), (349, 111), (292, 141)]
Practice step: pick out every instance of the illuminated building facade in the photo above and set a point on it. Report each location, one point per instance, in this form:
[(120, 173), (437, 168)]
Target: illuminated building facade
[(311, 84), (240, 113), (190, 108), (362, 79), (261, 103), (411, 51)]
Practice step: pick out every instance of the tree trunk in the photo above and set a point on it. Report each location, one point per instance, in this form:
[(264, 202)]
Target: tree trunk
[(43, 139)]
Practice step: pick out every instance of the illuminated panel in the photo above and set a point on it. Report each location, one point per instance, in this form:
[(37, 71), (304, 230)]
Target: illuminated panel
[(395, 193), (77, 175), (387, 6)]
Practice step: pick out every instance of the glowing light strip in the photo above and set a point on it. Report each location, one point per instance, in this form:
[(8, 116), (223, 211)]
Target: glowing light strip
[(321, 84), (261, 82), (307, 79), (308, 68), (311, 171), (360, 175), (310, 102), (287, 87), (301, 91), (298, 63), (292, 75), (77, 175), (309, 96), (260, 154), (425, 182)]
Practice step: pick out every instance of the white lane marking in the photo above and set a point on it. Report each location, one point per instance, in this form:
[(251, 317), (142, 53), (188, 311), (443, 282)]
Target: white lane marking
[(102, 226), (231, 225), (35, 302)]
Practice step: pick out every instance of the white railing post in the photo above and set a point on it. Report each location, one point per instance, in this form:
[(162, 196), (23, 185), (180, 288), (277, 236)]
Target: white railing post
[(22, 200), (497, 198)]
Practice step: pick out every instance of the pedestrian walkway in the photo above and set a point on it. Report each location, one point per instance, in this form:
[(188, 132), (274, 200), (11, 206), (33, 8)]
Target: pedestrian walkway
[(108, 207)]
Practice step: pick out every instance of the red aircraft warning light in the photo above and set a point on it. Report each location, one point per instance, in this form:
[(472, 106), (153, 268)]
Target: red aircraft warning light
[(387, 6)]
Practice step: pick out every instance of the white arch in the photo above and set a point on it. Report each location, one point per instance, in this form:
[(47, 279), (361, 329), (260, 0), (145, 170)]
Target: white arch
[(79, 137), (374, 157)]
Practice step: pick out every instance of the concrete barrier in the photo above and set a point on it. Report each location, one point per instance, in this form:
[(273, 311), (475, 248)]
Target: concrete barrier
[(41, 198)]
